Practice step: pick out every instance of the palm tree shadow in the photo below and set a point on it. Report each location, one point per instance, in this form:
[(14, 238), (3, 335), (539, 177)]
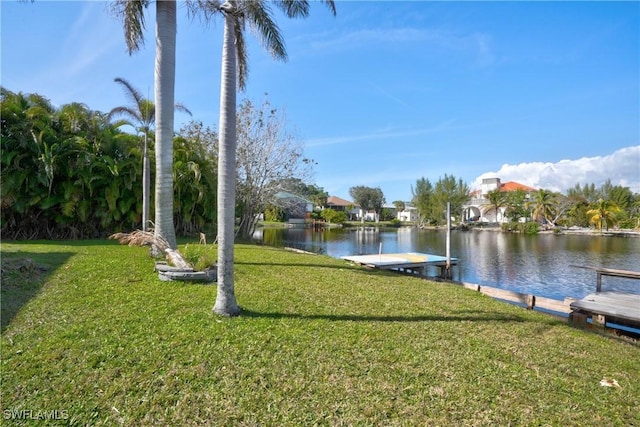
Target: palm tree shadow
[(464, 316), (346, 266), (23, 274)]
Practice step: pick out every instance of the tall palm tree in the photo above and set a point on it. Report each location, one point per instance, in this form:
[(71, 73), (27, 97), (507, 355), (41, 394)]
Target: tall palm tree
[(165, 76), (604, 212), (141, 115), (132, 13), (237, 14)]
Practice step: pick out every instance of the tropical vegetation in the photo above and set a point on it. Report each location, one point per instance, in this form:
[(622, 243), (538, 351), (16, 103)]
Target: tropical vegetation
[(69, 172), (141, 116)]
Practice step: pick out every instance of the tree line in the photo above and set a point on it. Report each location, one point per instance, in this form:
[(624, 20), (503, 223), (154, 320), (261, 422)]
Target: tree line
[(582, 206), (72, 172)]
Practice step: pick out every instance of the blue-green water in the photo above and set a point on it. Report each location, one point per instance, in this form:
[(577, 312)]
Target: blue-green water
[(541, 264)]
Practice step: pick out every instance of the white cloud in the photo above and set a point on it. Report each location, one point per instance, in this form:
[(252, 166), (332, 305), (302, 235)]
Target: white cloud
[(622, 167)]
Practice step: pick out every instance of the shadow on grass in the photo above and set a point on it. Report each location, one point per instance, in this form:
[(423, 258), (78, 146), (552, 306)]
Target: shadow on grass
[(350, 267), (472, 316), (23, 274)]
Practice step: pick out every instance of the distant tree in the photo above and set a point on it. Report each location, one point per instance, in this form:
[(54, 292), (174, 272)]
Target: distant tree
[(516, 205), (588, 193), (604, 213), (333, 216), (387, 214), (274, 214), (268, 157), (543, 205), (368, 198), (452, 190), (317, 195), (563, 205), (422, 195), (497, 199), (399, 205), (622, 196)]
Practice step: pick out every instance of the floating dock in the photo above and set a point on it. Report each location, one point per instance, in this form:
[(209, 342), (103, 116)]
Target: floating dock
[(408, 263)]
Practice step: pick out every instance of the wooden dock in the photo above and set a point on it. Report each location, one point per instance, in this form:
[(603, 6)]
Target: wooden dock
[(413, 263), (612, 307)]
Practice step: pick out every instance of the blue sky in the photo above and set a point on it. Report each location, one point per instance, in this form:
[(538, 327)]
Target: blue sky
[(543, 93)]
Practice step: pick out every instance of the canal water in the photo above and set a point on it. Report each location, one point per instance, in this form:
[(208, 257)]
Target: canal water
[(541, 264)]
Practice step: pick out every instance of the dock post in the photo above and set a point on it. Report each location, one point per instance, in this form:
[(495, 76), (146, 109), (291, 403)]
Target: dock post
[(448, 274)]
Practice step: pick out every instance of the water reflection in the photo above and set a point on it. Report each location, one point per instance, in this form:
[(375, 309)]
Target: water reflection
[(541, 265)]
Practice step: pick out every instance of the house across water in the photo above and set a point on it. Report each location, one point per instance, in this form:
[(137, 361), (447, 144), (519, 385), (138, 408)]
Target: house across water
[(479, 208)]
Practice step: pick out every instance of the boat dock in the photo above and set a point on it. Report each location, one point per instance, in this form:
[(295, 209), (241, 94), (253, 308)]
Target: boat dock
[(619, 308), (413, 263)]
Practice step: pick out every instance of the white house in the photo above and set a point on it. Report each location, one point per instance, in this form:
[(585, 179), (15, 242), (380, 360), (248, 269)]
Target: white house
[(479, 208), (408, 214)]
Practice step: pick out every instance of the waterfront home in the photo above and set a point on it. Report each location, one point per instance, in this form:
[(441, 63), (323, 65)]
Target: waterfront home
[(351, 209), (408, 214), (480, 209)]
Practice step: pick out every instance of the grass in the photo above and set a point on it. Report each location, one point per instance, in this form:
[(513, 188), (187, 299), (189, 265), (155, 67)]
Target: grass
[(97, 337)]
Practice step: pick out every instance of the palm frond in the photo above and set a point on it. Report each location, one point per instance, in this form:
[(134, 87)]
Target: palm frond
[(182, 108), (130, 91), (124, 111), (259, 16), (132, 14), (141, 238), (294, 8), (242, 57)]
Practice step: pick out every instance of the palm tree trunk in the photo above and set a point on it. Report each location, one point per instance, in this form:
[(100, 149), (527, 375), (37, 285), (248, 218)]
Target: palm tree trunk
[(226, 304), (164, 99), (146, 184)]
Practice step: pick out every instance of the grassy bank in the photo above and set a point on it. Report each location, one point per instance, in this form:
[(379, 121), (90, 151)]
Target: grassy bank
[(94, 335)]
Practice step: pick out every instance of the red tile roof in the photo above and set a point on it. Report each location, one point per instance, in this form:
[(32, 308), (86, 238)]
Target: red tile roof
[(512, 186)]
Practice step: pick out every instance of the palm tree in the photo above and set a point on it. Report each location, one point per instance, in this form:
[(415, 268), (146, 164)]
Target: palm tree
[(604, 212), (543, 205), (142, 117), (234, 74), (132, 13), (497, 199)]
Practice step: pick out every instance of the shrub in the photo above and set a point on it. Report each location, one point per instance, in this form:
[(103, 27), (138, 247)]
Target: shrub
[(200, 257)]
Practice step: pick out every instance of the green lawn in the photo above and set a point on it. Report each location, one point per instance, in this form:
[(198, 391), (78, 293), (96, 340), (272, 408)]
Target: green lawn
[(98, 338)]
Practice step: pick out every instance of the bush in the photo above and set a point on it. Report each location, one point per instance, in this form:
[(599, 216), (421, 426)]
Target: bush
[(200, 257), (333, 216), (520, 227)]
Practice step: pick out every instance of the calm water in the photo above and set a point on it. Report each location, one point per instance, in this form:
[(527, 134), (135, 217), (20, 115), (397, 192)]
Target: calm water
[(540, 265)]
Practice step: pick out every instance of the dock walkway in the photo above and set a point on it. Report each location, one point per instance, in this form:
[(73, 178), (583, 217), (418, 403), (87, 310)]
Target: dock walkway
[(408, 263), (619, 308)]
